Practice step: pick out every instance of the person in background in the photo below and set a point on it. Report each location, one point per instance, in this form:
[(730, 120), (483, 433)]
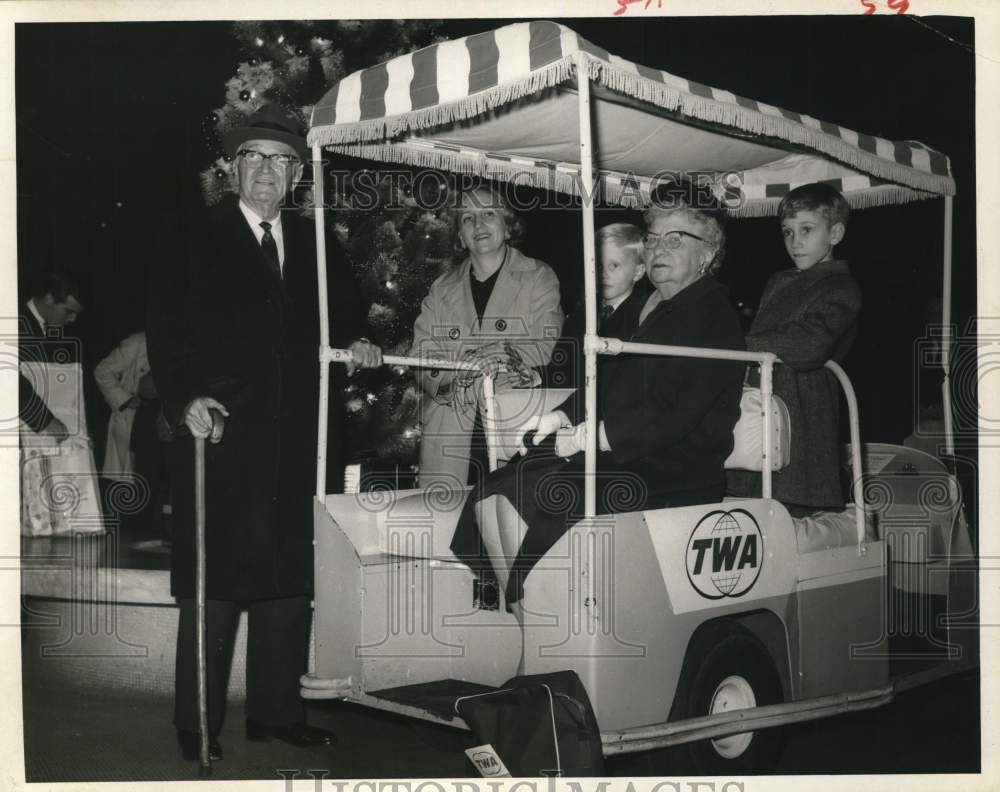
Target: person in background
[(808, 314), (233, 334), (56, 304), (118, 377), (498, 307)]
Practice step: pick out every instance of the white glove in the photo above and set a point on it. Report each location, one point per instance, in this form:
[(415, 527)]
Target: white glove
[(543, 425), (571, 440)]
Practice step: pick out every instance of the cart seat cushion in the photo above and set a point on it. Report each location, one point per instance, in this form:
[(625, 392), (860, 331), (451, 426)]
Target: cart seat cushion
[(826, 530), (748, 435)]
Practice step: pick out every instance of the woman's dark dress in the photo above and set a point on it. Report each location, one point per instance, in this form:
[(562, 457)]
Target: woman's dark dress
[(669, 422)]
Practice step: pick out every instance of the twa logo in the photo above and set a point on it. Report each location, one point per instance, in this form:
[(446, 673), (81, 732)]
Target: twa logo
[(725, 554), (487, 762)]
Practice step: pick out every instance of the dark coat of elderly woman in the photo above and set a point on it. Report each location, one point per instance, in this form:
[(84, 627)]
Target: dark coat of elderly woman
[(665, 423), (496, 304)]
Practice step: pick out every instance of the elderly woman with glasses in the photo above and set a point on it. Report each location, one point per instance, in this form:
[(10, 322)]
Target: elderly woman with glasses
[(665, 424)]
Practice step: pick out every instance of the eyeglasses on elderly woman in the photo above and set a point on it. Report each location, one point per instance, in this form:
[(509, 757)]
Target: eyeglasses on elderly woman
[(670, 239)]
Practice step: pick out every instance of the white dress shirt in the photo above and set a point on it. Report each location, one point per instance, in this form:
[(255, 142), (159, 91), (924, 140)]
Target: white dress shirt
[(255, 220)]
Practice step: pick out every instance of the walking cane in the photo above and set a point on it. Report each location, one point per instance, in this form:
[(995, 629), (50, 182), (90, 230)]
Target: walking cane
[(205, 767)]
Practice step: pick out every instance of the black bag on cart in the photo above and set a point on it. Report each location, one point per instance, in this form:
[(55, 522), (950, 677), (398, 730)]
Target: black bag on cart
[(539, 725)]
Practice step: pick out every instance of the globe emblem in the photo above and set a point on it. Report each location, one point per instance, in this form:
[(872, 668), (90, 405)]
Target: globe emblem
[(725, 554), (726, 582)]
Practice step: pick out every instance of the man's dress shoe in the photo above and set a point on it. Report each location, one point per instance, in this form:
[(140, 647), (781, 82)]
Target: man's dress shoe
[(297, 734), (190, 750)]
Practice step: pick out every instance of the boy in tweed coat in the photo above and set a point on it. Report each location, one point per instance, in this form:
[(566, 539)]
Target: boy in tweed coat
[(808, 315)]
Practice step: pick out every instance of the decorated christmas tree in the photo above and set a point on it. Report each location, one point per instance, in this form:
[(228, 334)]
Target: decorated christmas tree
[(396, 251), (396, 247)]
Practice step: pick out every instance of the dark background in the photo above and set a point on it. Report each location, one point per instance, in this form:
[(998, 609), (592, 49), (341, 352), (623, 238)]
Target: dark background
[(109, 139)]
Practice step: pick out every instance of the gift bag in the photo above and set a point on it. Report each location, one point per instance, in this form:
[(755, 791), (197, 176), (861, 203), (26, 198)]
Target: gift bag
[(536, 725), (59, 493)]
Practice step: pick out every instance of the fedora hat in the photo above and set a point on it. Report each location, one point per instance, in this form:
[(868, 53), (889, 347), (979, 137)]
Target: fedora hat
[(270, 122)]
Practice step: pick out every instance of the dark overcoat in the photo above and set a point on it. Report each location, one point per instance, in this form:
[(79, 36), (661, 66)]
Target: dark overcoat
[(669, 420), (220, 324), (806, 318), (36, 346)]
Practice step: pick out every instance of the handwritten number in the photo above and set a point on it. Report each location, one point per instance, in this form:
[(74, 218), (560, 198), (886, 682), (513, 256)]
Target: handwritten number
[(899, 6), (624, 4)]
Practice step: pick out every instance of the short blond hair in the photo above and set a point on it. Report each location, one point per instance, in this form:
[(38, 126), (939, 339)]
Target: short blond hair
[(624, 236)]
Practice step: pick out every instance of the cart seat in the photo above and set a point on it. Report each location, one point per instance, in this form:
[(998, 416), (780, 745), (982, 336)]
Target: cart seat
[(749, 431)]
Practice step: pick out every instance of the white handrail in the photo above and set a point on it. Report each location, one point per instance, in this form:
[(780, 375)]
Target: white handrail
[(860, 510), (766, 385), (615, 346), (329, 355), (949, 429)]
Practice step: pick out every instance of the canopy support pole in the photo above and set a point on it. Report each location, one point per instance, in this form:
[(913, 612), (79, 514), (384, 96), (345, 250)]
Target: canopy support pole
[(949, 436), (324, 323), (587, 194)]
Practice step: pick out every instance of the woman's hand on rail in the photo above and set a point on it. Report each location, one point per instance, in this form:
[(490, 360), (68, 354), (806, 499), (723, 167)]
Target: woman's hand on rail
[(571, 440), (364, 354), (542, 426)]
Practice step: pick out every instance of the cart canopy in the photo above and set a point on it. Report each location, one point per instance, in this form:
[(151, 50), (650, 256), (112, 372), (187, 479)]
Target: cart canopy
[(502, 105)]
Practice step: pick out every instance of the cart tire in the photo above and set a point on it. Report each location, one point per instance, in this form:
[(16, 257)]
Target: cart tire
[(729, 668)]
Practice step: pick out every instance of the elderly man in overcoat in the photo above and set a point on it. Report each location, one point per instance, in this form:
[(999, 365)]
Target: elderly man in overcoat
[(233, 334)]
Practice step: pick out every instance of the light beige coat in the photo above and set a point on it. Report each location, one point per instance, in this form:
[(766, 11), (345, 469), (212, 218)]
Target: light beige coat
[(118, 378), (523, 309)]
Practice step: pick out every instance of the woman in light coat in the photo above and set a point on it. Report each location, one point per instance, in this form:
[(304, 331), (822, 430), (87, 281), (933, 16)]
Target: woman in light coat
[(497, 304), (119, 376)]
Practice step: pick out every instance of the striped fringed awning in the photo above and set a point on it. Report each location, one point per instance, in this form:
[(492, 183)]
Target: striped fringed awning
[(503, 105)]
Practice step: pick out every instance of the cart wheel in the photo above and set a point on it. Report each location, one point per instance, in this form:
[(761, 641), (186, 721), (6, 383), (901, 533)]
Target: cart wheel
[(730, 669)]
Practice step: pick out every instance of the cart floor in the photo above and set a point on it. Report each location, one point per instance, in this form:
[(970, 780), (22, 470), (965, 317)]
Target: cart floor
[(436, 697)]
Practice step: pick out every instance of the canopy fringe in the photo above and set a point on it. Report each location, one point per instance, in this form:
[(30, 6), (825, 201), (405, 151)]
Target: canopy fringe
[(468, 107), (626, 82), (882, 195), (745, 118), (610, 189)]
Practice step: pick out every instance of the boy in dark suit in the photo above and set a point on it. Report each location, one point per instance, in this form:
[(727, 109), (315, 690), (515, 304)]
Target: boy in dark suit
[(622, 277)]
